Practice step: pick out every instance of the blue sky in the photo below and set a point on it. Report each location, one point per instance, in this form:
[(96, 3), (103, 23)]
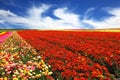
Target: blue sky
[(59, 14)]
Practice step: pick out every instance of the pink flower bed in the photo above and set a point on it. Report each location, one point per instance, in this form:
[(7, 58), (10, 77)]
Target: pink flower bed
[(3, 37)]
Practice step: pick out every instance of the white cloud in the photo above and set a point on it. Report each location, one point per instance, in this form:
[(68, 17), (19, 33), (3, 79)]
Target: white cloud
[(36, 12), (35, 20), (66, 19), (88, 13), (109, 22), (4, 13)]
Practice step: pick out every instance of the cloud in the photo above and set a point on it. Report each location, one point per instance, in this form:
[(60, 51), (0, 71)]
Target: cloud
[(88, 13), (34, 19), (109, 22), (4, 13)]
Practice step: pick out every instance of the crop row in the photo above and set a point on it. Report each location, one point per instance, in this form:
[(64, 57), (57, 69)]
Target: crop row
[(101, 47), (4, 35), (18, 61), (62, 60)]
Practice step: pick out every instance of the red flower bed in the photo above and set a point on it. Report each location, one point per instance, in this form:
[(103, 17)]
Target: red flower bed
[(59, 50), (101, 47)]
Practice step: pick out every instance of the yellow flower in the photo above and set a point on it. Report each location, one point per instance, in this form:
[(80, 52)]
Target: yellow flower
[(50, 73), (12, 49), (29, 74), (42, 61), (2, 52), (24, 65), (33, 77), (6, 63), (2, 33), (5, 78), (46, 67), (47, 70), (38, 75), (35, 58), (15, 54), (1, 64), (25, 71), (3, 60), (43, 69), (15, 79), (34, 53), (20, 62), (101, 76), (21, 70), (43, 73)]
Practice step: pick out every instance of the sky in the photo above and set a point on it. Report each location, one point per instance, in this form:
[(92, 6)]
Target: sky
[(59, 14)]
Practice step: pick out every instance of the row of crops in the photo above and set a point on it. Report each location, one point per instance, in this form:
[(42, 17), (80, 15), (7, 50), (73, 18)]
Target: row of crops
[(19, 61), (78, 55)]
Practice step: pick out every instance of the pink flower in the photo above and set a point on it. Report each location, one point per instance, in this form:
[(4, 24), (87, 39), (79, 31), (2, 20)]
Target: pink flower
[(3, 37), (8, 72)]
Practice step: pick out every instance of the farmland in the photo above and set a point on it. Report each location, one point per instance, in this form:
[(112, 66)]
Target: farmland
[(62, 55)]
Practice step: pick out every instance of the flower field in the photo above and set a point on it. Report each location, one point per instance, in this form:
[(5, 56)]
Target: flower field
[(4, 35), (19, 61), (77, 53), (60, 55)]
